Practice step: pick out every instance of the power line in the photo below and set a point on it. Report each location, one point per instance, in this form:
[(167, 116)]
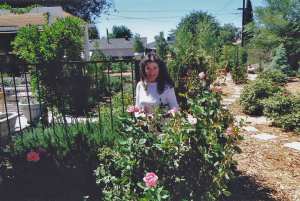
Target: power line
[(224, 7)]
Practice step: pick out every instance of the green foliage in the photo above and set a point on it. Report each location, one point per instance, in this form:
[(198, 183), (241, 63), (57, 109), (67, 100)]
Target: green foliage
[(5, 6), (284, 108), (276, 23), (121, 32), (253, 93), (274, 75), (193, 161), (228, 34), (63, 86), (279, 61), (138, 45), (88, 10), (67, 165), (162, 45), (93, 33)]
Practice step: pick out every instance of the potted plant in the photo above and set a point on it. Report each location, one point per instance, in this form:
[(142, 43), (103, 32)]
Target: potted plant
[(35, 109)]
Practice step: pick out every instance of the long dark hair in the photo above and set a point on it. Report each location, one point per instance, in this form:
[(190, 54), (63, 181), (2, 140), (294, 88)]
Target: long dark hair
[(163, 79)]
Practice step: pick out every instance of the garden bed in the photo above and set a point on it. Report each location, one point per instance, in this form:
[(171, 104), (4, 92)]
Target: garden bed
[(267, 170)]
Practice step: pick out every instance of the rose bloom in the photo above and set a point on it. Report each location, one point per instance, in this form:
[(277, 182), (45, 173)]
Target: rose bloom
[(41, 150), (11, 145), (285, 94), (211, 86), (230, 132), (150, 179), (189, 116), (217, 89), (1, 180), (149, 117), (192, 121), (202, 75), (33, 156), (132, 109), (172, 113)]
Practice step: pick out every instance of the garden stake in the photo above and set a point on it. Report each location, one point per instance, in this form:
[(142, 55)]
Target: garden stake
[(111, 117), (4, 99), (122, 86), (28, 100), (18, 106)]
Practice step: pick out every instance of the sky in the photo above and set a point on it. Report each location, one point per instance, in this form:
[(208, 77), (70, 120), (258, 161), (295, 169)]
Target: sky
[(149, 17)]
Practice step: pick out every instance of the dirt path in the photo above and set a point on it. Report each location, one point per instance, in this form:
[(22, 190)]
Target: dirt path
[(267, 169)]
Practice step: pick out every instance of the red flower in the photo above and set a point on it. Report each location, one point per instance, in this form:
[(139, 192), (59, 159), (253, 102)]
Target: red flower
[(285, 94), (33, 156), (188, 72), (67, 166), (11, 145), (184, 78), (41, 150)]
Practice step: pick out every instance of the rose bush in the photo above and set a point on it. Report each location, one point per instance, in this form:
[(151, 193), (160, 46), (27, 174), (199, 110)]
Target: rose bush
[(191, 153)]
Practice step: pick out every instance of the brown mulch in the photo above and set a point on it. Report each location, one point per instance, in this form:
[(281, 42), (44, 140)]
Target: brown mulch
[(266, 169)]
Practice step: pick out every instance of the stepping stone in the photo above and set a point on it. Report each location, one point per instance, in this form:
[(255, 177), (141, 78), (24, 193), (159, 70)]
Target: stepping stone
[(254, 120), (226, 103), (228, 100), (235, 96), (237, 93), (265, 136), (250, 128), (294, 145), (225, 108)]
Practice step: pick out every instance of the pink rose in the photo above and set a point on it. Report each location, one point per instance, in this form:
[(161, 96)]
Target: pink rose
[(175, 109), (285, 94), (149, 117), (230, 132), (211, 86), (32, 156), (201, 75), (150, 179), (192, 121), (217, 89), (189, 116), (136, 109), (41, 150), (1, 180), (132, 109)]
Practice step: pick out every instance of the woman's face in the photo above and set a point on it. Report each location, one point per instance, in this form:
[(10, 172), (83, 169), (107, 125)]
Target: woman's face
[(152, 71)]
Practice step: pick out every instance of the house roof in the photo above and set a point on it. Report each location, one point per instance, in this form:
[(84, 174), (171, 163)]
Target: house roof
[(115, 43), (12, 22), (152, 45)]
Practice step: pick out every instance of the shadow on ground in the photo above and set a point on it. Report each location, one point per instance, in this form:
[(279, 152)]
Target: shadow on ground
[(245, 188)]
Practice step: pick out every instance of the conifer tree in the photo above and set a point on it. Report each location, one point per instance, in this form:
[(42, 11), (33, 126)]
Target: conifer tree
[(248, 19), (162, 45), (280, 61)]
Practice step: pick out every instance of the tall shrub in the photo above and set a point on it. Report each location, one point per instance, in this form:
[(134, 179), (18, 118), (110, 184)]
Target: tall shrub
[(60, 42)]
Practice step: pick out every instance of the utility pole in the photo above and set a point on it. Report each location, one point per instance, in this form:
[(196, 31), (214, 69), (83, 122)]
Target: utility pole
[(243, 23)]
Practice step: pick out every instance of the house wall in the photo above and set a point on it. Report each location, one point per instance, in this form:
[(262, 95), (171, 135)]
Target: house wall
[(116, 52)]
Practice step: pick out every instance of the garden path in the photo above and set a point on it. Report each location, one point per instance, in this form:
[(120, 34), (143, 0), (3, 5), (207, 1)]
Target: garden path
[(254, 120), (268, 167)]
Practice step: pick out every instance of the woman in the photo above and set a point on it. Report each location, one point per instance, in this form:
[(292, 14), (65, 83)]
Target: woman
[(155, 86)]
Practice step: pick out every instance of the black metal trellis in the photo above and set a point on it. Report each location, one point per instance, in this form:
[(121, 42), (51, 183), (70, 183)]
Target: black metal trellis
[(100, 84)]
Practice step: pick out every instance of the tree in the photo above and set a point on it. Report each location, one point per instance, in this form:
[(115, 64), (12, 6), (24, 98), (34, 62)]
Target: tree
[(228, 34), (138, 45), (64, 87), (278, 22), (162, 45), (87, 10), (197, 29), (93, 33), (248, 19), (279, 61), (121, 32)]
